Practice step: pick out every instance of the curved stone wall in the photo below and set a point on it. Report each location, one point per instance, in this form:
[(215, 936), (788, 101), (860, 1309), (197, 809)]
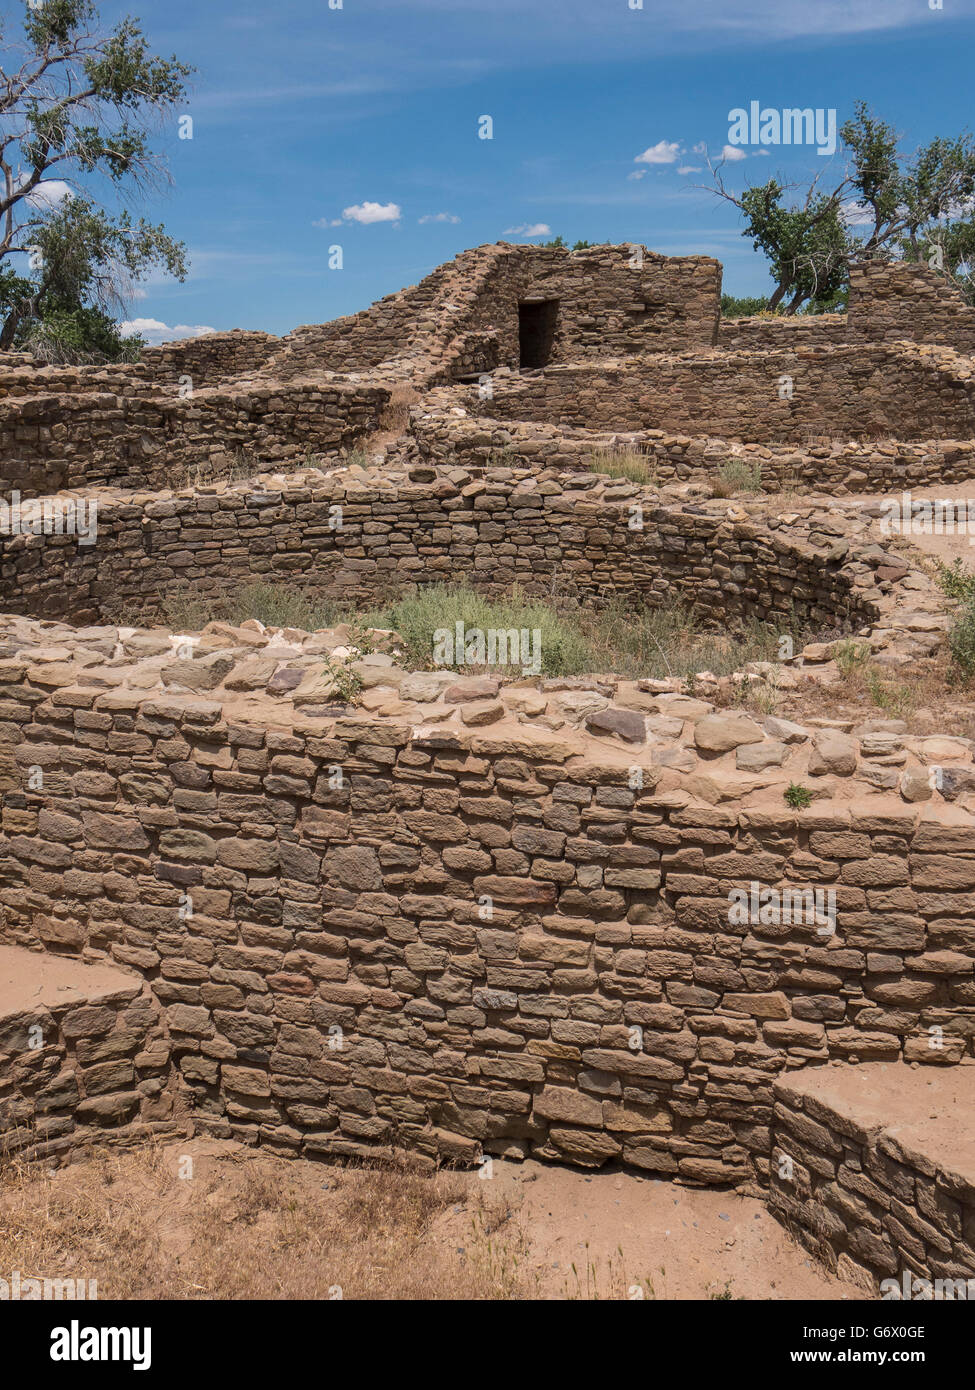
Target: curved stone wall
[(472, 940), (362, 540)]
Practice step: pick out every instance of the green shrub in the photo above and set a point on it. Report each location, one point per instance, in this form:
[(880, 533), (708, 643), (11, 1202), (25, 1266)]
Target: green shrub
[(624, 463), (961, 641), (850, 655), (738, 475), (955, 582)]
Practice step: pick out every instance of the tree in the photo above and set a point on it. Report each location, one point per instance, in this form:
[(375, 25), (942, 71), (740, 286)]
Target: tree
[(735, 307), (884, 207), (74, 123), (559, 243)]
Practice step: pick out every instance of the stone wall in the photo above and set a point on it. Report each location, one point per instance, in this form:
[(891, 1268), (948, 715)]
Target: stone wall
[(606, 306), (80, 1066), (758, 332), (385, 540), (444, 432), (25, 379), (468, 941), (888, 302), (212, 357), (907, 301), (904, 391), (869, 1170), (91, 439)]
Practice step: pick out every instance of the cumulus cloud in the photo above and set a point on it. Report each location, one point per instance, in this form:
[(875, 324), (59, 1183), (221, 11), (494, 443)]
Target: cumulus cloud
[(156, 332), (50, 192), (367, 213), (47, 194), (855, 214), (733, 153), (529, 229), (663, 152), (637, 174), (438, 217), (688, 168)]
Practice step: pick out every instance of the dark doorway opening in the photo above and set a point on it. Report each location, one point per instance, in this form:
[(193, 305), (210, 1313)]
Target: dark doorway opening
[(536, 332)]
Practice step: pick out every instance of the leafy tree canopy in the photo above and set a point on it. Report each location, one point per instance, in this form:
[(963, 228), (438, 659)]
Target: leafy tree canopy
[(76, 106), (887, 205)]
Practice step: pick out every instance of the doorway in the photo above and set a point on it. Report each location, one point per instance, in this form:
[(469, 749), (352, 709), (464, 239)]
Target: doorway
[(536, 332)]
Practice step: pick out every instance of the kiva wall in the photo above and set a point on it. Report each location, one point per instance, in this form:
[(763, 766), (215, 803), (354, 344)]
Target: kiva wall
[(469, 942), (383, 541)]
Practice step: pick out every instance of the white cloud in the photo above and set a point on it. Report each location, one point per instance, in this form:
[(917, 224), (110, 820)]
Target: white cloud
[(530, 229), (47, 194), (663, 152), (437, 217), (856, 214), (367, 213), (733, 153), (156, 332), (689, 169), (637, 174), (50, 192)]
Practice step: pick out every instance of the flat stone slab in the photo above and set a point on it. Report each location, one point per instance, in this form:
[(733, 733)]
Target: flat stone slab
[(925, 1112), (34, 979)]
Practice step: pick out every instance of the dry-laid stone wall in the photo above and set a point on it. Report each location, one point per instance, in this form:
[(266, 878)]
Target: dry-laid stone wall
[(464, 317), (446, 431), (905, 391), (362, 538), (891, 302), (613, 301), (471, 940), (90, 1059), (888, 303), (92, 439), (27, 379), (869, 1171), (212, 357), (758, 332)]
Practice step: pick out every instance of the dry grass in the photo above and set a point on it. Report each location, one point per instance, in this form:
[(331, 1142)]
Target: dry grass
[(624, 463), (395, 414), (249, 1226), (196, 475), (928, 696), (737, 475)]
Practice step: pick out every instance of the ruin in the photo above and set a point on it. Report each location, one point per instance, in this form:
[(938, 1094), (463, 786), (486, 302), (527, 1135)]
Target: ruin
[(466, 915)]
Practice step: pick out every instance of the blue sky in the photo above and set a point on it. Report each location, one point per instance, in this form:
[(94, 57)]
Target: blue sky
[(304, 116)]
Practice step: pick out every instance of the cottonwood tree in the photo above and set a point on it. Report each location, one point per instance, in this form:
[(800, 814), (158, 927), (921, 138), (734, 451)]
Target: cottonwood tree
[(77, 104), (886, 206)]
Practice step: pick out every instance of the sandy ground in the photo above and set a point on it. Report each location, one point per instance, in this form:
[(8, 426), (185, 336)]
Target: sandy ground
[(645, 1233), (252, 1225), (959, 543)]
